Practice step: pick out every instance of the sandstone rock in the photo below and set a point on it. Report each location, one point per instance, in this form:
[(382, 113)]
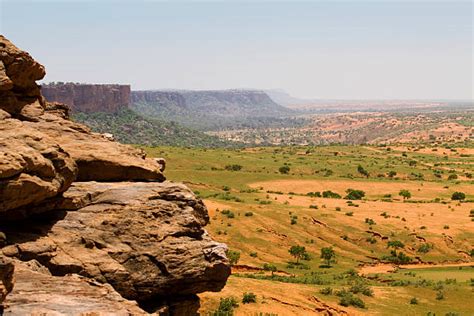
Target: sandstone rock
[(108, 98), (145, 239), (33, 167), (18, 75), (6, 278), (98, 158), (36, 292)]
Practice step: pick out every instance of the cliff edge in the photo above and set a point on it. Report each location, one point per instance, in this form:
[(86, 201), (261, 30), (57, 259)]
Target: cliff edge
[(88, 225)]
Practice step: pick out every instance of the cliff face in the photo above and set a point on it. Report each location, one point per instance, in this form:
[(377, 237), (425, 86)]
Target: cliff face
[(209, 110), (108, 98), (87, 225)]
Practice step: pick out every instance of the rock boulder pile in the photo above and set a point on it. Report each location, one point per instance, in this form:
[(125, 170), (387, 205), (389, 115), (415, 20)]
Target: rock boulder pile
[(89, 226)]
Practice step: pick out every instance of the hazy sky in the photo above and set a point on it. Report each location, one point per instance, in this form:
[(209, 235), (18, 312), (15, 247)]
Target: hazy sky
[(317, 49)]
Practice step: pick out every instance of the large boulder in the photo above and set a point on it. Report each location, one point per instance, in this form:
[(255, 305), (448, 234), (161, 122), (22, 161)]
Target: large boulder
[(145, 239), (18, 75), (33, 167), (97, 157)]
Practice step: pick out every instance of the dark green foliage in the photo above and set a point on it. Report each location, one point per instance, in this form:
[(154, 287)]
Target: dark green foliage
[(397, 258), (425, 248), (269, 267), (395, 244), (405, 194), (233, 167), (314, 194), (248, 214), (328, 254), (297, 252), (330, 194), (132, 128), (348, 299), (362, 171), (249, 298), (354, 194), (326, 291), (284, 169), (458, 196), (226, 307), (234, 256), (414, 301)]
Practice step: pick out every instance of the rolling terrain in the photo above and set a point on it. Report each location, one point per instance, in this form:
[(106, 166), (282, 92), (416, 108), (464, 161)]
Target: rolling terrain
[(393, 251)]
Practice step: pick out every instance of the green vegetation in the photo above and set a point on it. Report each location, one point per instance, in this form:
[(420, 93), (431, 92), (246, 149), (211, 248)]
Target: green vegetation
[(131, 128), (249, 298)]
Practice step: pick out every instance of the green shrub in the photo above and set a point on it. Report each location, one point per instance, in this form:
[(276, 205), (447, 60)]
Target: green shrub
[(248, 214), (414, 301), (249, 298), (330, 194), (354, 194), (326, 291), (233, 167), (284, 169), (458, 196), (226, 307), (234, 256)]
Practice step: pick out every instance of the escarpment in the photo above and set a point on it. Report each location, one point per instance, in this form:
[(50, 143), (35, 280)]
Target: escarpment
[(108, 98), (88, 225)]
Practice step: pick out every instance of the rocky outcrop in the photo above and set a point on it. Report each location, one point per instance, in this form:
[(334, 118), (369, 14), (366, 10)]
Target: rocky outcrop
[(87, 225), (108, 98)]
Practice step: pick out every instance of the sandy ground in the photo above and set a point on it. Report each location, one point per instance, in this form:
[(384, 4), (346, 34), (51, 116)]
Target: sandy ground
[(419, 190)]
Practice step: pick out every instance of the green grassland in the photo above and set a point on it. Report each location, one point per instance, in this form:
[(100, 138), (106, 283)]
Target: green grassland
[(272, 211)]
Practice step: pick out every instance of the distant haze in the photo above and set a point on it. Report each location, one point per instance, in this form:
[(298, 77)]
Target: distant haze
[(331, 50)]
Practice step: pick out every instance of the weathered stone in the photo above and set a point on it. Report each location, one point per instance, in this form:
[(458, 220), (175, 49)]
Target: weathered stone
[(33, 167), (36, 292), (6, 278), (145, 239)]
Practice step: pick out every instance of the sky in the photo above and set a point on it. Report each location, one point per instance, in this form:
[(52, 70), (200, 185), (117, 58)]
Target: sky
[(313, 49)]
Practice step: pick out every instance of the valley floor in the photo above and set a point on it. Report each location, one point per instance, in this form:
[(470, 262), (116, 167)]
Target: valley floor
[(260, 210)]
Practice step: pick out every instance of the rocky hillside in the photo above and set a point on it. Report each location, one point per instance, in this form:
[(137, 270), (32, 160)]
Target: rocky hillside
[(89, 226), (128, 127), (211, 110), (89, 98)]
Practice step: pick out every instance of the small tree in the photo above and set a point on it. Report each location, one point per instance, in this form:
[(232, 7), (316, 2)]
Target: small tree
[(392, 173), (234, 257), (298, 252), (362, 171), (270, 267), (458, 196), (395, 244), (405, 194), (328, 254), (354, 194)]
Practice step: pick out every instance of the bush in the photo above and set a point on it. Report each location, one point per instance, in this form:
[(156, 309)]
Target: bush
[(458, 196), (425, 248), (414, 301), (284, 169), (347, 299), (395, 244), (233, 167), (362, 171), (253, 254), (405, 194), (234, 256), (249, 298), (361, 287), (330, 194), (226, 307), (354, 194), (248, 214), (326, 291)]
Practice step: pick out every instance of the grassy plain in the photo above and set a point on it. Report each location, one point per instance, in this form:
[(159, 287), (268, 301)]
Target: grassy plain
[(272, 211)]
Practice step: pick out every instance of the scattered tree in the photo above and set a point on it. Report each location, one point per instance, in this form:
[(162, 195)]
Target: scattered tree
[(234, 256), (298, 252), (328, 254), (405, 194), (284, 169)]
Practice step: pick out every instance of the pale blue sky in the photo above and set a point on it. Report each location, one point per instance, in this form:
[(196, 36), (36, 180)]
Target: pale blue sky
[(317, 49)]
